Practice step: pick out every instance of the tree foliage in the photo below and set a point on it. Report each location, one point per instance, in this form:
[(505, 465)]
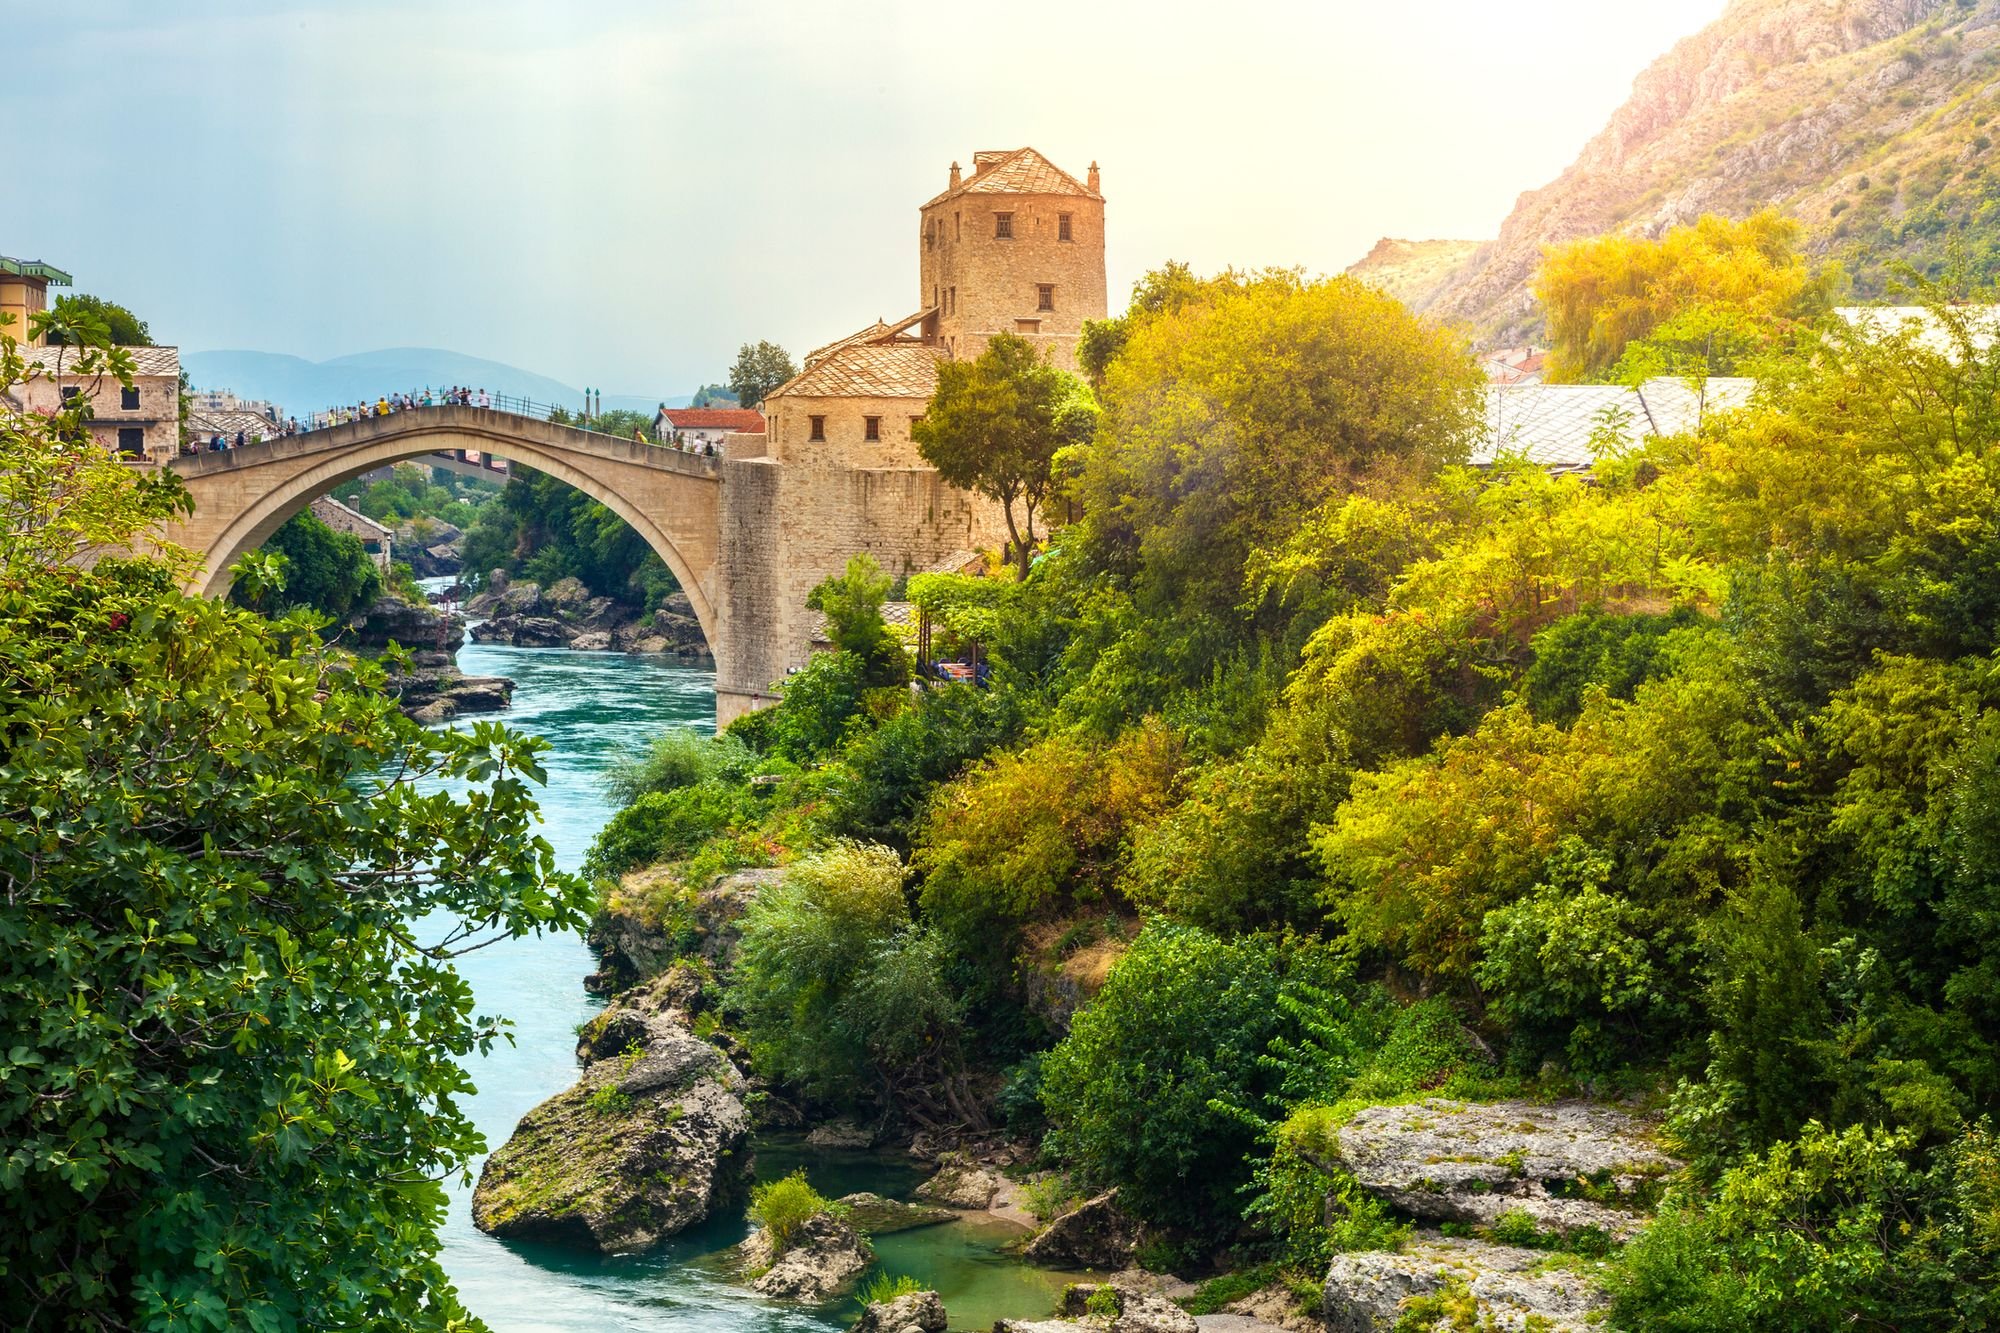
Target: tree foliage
[(233, 1084), (994, 426), (759, 368), (76, 311)]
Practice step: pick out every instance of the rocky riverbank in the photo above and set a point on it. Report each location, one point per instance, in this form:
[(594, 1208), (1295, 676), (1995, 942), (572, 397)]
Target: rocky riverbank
[(429, 688), (524, 614)]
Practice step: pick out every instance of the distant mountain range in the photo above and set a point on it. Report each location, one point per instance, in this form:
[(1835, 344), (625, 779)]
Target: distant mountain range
[(300, 386), (1870, 121)]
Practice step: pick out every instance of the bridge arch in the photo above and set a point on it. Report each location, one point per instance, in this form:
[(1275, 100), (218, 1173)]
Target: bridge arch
[(242, 496)]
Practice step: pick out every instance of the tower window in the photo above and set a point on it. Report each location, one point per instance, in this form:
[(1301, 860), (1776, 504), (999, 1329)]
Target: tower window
[(871, 428), (128, 399), (1045, 296), (1003, 226), (1062, 227), (818, 428), (956, 219), (953, 308)]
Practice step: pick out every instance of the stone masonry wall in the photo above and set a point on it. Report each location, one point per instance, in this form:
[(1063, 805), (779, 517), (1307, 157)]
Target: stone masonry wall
[(995, 279)]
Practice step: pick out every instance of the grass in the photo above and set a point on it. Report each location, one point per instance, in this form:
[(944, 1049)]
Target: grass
[(883, 1288)]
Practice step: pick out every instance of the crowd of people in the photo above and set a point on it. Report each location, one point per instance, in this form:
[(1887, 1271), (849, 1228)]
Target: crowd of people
[(456, 396)]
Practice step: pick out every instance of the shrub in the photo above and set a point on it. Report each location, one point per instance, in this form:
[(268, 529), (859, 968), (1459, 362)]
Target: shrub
[(817, 712), (891, 770), (784, 1205), (1159, 1083), (852, 602), (1831, 1230), (882, 1288), (679, 757), (662, 826), (1049, 1197)]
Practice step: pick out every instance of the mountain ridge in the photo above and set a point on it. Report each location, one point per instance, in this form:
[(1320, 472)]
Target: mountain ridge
[(1864, 119), (300, 386)]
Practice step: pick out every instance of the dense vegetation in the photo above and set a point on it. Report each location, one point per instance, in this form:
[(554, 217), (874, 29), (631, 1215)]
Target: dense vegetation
[(1339, 772), (231, 1088)]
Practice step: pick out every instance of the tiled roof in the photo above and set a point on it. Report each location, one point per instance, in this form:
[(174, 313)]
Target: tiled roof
[(863, 370), (1553, 424), (1982, 321), (714, 418), (145, 360), (342, 519), (227, 423), (878, 332), (1021, 171)]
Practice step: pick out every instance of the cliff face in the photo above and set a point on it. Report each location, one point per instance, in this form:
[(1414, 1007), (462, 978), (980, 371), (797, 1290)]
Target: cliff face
[(1868, 120)]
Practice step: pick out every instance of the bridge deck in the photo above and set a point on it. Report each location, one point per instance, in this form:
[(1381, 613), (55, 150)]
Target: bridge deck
[(491, 425)]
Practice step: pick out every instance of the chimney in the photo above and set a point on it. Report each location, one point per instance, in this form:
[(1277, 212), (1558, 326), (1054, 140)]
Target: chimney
[(954, 175), (1092, 181)]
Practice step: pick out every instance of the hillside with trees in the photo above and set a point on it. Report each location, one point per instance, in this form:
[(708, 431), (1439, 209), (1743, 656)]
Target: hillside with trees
[(1318, 773), (1870, 122)]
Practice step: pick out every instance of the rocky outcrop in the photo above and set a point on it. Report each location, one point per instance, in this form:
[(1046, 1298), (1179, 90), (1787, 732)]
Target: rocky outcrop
[(430, 546), (821, 1261), (1131, 1310), (646, 924), (523, 614), (873, 1215), (1515, 1289), (1568, 1166), (432, 696), (650, 1140), (1095, 1234), (918, 1312), (429, 634), (840, 1134), (962, 1185)]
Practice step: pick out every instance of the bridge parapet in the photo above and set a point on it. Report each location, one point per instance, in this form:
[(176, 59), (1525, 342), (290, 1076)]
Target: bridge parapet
[(498, 427)]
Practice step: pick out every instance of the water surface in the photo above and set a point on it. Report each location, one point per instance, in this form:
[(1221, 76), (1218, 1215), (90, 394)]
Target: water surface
[(590, 707)]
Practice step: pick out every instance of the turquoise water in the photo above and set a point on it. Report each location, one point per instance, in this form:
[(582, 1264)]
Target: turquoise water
[(589, 706)]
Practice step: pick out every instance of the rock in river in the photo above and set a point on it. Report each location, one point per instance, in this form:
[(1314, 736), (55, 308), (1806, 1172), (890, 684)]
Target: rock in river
[(874, 1215), (1515, 1288), (648, 1142), (826, 1254), (1095, 1234), (1568, 1165), (918, 1312)]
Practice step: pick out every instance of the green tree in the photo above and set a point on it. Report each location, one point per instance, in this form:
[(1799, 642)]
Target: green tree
[(760, 367), (324, 571), (852, 603), (124, 328), (994, 425), (233, 1083)]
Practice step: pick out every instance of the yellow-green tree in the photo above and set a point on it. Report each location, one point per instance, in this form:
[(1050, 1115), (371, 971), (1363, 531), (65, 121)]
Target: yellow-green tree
[(1712, 292)]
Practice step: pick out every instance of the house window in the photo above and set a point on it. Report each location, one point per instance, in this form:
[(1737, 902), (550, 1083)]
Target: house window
[(1062, 227), (1003, 226), (818, 428), (1045, 296), (69, 394), (128, 399), (871, 428), (131, 441), (1027, 326)]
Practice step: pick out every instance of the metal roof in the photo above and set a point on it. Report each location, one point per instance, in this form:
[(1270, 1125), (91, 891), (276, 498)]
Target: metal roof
[(1555, 425), (33, 268)]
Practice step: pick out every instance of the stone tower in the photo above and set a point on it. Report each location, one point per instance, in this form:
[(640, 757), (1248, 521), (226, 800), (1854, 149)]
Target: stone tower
[(1017, 246)]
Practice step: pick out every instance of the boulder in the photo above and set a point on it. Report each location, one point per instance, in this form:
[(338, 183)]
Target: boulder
[(592, 641), (658, 1010), (1137, 1311), (1095, 1234), (413, 625), (431, 695), (648, 643), (1367, 1292), (1568, 1166), (650, 1141), (918, 1312), (480, 694), (519, 599), (873, 1215), (597, 613), (826, 1254), (840, 1134), (521, 631), (961, 1185), (566, 594)]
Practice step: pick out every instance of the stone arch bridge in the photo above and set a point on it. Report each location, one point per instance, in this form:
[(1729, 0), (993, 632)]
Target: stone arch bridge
[(746, 535)]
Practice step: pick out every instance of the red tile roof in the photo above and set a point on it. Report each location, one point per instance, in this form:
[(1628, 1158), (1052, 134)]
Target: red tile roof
[(744, 419)]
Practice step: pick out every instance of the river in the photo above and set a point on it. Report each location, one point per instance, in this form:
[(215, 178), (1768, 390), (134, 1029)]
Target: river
[(590, 706)]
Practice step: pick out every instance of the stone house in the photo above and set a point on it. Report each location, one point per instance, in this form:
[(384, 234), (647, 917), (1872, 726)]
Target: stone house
[(1016, 247), (699, 427), (377, 540), (141, 423)]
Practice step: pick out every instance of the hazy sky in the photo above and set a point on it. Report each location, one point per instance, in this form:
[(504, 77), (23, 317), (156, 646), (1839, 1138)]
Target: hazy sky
[(619, 193)]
